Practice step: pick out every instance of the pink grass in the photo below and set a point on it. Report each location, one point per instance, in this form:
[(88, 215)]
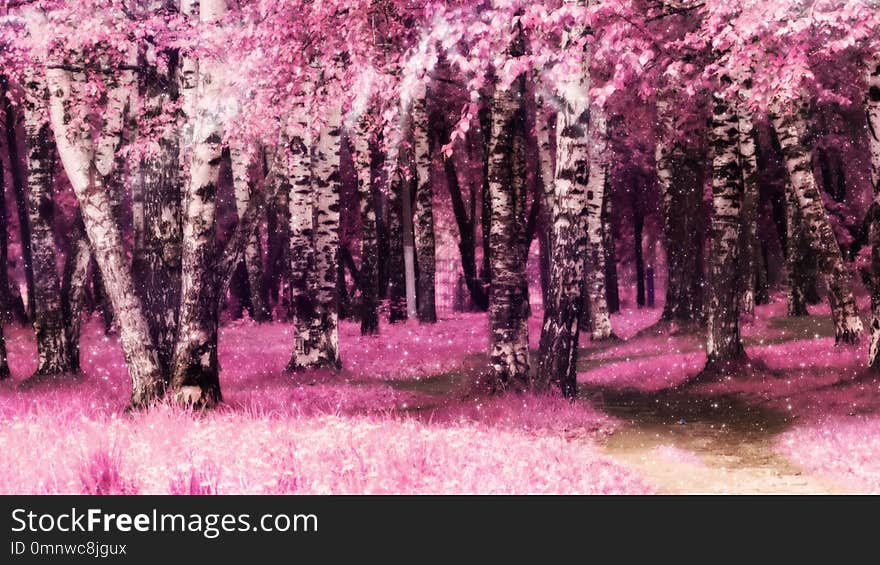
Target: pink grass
[(353, 432)]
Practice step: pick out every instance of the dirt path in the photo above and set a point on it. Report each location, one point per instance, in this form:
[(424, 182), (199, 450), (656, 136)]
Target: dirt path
[(686, 443)]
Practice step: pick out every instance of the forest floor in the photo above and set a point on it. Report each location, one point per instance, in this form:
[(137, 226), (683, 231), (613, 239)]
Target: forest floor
[(407, 415), (805, 422)]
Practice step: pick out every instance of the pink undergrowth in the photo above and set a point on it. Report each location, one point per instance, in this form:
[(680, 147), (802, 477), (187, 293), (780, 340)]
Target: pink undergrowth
[(314, 432), (832, 410), (844, 448)]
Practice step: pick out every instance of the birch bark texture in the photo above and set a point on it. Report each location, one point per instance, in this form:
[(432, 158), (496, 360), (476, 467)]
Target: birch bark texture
[(423, 217), (724, 349), (749, 244), (369, 271), (296, 162), (680, 175), (508, 304), (597, 134), (241, 160), (791, 125), (52, 355), (195, 372), (326, 186), (566, 198), (75, 148), (157, 261)]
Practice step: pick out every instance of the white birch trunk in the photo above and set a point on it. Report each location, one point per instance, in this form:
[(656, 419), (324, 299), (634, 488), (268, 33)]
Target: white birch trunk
[(600, 319), (424, 211), (325, 184), (508, 303), (296, 164), (195, 373), (567, 202), (77, 155), (724, 349)]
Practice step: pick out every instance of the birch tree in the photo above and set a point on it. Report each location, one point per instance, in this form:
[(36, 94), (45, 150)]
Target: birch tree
[(303, 281), (369, 271), (566, 198), (600, 318), (195, 371), (397, 311), (508, 306), (794, 137), (749, 214), (157, 263), (48, 315), (423, 221), (325, 179), (680, 174), (76, 150), (241, 160), (724, 348)]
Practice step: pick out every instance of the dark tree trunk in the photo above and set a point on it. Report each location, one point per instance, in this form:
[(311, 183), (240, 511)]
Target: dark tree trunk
[(18, 189), (872, 112), (748, 216), (465, 220), (73, 287), (683, 228), (638, 228), (612, 290), (4, 284), (396, 275), (102, 300), (344, 298), (48, 314), (680, 176), (762, 283), (278, 237), (158, 269), (650, 261), (162, 247), (797, 250), (5, 295), (368, 282)]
